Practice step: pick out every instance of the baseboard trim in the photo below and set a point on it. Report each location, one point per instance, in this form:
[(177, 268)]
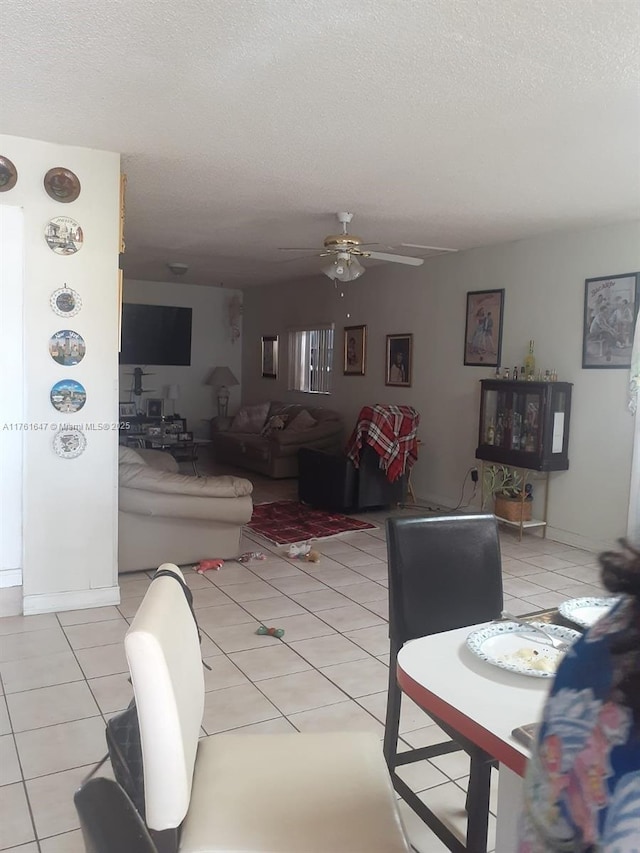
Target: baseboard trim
[(50, 602), (565, 537), (556, 534), (10, 577)]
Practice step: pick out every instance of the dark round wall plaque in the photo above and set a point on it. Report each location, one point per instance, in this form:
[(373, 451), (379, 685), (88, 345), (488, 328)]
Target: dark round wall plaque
[(8, 175), (62, 184)]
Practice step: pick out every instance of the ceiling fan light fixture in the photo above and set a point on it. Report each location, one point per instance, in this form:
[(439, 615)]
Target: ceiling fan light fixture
[(356, 269), (345, 267), (329, 270)]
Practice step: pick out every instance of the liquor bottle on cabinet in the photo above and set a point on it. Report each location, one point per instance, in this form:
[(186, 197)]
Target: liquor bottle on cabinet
[(530, 364), (530, 424)]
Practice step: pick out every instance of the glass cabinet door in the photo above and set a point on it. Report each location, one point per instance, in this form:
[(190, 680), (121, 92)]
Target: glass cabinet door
[(495, 424), (526, 421)]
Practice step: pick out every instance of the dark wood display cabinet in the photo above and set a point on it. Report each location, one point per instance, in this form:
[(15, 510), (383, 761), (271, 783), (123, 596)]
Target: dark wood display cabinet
[(525, 426)]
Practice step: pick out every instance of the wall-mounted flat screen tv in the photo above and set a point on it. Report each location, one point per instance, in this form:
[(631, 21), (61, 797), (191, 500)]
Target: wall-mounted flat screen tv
[(155, 334)]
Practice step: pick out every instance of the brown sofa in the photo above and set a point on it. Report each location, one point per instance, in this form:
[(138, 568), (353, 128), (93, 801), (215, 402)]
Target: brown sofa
[(276, 453)]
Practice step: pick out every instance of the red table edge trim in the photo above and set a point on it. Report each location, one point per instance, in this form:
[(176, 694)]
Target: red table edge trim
[(494, 746)]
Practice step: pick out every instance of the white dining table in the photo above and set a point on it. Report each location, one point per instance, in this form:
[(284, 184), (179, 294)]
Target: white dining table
[(481, 701)]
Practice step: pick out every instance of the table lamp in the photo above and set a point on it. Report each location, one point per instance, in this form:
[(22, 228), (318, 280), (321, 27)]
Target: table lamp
[(173, 393), (220, 378)]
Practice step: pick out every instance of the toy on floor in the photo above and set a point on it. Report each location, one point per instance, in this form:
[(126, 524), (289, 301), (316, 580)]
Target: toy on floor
[(299, 550), (251, 555), (271, 632), (303, 551), (205, 565)]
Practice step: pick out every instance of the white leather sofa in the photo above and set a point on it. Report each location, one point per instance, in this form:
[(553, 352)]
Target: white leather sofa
[(164, 515)]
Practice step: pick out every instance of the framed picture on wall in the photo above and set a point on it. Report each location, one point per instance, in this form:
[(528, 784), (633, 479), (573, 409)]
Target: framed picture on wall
[(269, 356), (127, 410), (355, 348), (399, 360), (483, 328), (610, 313), (155, 407)]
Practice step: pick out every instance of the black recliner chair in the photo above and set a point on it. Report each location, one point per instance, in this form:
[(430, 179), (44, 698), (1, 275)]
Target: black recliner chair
[(331, 481)]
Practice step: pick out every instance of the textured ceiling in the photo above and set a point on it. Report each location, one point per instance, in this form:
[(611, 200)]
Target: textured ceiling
[(245, 124)]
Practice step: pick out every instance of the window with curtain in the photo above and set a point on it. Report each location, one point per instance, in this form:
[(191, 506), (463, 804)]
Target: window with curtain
[(311, 360)]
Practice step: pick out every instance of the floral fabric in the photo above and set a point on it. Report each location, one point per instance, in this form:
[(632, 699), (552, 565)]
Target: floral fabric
[(582, 792)]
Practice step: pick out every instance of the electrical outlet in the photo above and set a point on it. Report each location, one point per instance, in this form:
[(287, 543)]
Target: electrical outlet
[(474, 475)]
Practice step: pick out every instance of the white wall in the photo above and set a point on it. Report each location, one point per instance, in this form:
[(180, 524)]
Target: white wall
[(70, 506), (544, 283), (211, 345), (11, 403)]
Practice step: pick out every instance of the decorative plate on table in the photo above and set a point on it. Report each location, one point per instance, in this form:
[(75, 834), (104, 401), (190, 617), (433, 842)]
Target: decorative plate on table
[(68, 396), (586, 611), (65, 302), (69, 443), (63, 235), (62, 184), (511, 646)]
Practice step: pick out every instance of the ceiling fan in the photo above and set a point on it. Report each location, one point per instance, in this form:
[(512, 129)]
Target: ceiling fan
[(345, 250)]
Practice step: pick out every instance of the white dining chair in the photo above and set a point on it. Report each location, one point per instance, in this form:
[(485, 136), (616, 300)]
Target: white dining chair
[(271, 793)]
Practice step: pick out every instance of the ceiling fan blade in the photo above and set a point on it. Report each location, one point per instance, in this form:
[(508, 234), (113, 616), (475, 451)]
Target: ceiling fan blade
[(298, 249), (431, 248), (395, 259), (293, 260)]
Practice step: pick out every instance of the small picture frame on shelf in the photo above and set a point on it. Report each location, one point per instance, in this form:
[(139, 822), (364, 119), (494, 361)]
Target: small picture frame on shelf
[(154, 431), (355, 346), (483, 328), (155, 407), (399, 360), (185, 436), (127, 410), (269, 356), (610, 312)]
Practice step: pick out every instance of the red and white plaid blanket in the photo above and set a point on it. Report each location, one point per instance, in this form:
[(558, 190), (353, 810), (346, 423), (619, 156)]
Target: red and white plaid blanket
[(391, 432)]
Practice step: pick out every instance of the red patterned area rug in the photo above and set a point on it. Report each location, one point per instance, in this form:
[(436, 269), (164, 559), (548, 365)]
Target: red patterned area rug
[(284, 522)]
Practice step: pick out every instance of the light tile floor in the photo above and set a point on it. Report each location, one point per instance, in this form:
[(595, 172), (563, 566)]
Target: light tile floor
[(62, 675)]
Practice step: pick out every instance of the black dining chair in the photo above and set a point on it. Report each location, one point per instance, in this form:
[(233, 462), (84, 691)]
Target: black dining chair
[(109, 821), (444, 573)]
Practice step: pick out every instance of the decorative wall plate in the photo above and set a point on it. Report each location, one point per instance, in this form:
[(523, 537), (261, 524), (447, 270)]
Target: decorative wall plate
[(67, 347), (63, 235), (69, 443), (62, 184), (8, 175), (65, 302), (68, 396)]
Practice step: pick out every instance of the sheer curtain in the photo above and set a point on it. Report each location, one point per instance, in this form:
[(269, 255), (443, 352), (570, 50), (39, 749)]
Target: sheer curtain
[(633, 525)]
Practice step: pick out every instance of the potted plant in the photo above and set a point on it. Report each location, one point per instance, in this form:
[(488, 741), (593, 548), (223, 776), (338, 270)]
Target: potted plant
[(511, 491)]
